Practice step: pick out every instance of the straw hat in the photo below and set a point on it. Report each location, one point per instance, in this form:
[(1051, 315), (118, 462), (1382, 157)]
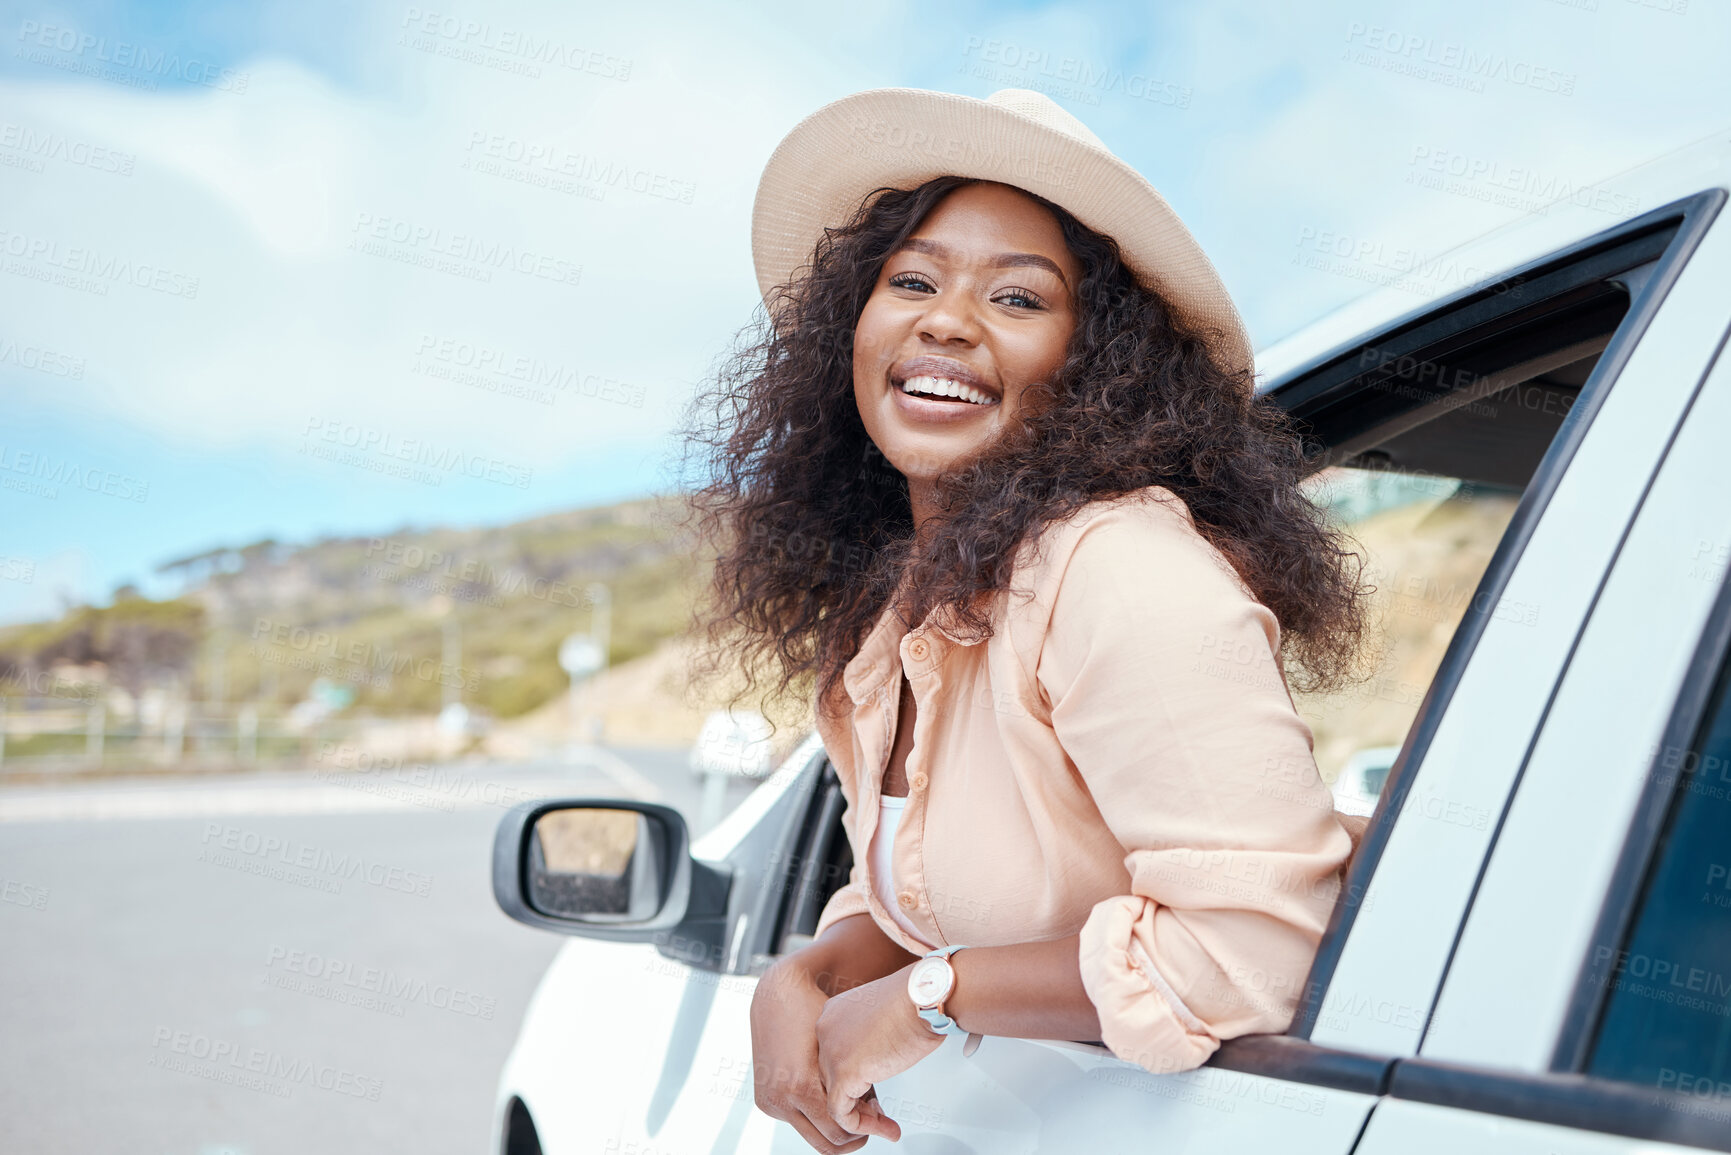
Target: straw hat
[(902, 137)]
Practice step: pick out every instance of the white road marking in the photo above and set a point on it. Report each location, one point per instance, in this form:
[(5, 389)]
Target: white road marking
[(621, 771)]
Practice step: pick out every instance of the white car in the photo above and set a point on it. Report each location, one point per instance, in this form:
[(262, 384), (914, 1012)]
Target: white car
[(733, 743), (1532, 952)]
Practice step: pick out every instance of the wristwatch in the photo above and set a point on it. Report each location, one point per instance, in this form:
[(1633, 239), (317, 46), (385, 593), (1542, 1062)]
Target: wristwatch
[(930, 982)]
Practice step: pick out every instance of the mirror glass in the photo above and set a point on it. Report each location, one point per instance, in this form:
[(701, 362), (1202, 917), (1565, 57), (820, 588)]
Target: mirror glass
[(594, 864)]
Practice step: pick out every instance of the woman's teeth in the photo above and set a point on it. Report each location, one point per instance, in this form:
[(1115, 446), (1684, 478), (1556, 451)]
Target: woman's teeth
[(944, 387)]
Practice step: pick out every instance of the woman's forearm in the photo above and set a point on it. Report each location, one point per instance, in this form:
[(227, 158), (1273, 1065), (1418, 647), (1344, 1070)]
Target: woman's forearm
[(1027, 991), (851, 953)]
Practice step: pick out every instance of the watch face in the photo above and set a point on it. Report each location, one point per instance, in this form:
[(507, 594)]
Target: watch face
[(930, 981)]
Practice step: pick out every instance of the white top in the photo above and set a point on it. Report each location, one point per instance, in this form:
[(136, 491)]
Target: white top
[(882, 855)]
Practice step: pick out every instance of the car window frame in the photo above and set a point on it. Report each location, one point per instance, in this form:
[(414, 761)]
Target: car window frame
[(1333, 379)]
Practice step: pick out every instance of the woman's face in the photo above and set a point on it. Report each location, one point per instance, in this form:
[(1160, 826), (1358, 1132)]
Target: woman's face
[(977, 305)]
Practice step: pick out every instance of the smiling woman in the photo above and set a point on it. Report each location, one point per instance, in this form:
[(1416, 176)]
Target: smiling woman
[(1014, 431)]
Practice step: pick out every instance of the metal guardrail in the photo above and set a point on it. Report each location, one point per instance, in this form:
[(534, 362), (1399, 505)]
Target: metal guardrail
[(74, 734)]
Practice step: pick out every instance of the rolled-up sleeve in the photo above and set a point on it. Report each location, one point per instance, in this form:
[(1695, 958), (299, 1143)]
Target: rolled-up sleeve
[(1160, 674)]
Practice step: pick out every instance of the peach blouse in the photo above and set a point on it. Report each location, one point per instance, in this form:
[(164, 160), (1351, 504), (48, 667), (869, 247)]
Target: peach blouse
[(1122, 758)]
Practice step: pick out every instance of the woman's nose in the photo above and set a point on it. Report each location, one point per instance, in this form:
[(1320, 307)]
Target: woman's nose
[(951, 317)]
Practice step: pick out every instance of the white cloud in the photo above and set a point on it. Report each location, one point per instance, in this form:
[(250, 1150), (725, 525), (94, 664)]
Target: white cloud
[(262, 195)]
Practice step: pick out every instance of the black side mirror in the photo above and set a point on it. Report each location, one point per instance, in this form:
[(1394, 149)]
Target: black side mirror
[(610, 869)]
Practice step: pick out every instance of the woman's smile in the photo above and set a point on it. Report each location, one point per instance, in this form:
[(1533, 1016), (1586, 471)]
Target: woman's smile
[(942, 390)]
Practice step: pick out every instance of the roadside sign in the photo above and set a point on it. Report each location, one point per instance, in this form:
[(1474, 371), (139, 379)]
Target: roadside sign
[(580, 655)]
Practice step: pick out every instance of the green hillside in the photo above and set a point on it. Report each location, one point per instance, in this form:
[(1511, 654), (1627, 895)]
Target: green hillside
[(261, 622)]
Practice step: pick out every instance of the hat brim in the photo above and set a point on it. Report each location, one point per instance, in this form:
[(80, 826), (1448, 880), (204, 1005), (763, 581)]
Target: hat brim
[(903, 137)]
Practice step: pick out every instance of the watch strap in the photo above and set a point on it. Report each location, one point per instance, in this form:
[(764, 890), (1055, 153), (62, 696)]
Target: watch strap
[(940, 1022)]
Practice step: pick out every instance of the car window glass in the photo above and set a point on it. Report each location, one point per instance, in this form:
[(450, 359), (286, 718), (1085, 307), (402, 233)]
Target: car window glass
[(1426, 540), (1667, 1012)]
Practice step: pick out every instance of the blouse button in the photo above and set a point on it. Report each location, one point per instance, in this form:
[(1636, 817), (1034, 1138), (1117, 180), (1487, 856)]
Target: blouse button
[(918, 781), (917, 648), (907, 900)]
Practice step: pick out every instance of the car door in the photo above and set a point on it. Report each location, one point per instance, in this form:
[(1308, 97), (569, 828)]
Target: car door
[(645, 1047), (1548, 397), (1587, 1006)]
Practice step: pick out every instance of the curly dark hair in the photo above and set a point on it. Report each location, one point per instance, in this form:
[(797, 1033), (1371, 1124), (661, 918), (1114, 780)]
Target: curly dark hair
[(812, 528)]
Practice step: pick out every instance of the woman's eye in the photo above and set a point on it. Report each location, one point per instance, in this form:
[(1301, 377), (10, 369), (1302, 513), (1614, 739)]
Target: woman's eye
[(1021, 300), (908, 281)]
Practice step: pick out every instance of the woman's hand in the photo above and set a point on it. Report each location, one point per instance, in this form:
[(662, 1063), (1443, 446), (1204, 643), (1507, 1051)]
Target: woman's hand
[(866, 1034), (784, 1056)]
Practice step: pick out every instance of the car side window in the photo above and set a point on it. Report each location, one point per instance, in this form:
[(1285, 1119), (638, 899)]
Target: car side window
[(1426, 540), (1666, 1022), (1429, 451)]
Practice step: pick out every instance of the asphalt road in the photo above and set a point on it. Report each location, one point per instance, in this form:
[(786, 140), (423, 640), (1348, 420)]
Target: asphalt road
[(280, 963)]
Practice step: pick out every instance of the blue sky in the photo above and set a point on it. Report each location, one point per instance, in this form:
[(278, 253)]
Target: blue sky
[(239, 289)]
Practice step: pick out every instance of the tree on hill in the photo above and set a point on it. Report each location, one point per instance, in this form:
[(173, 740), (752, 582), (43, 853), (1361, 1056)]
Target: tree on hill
[(138, 641)]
